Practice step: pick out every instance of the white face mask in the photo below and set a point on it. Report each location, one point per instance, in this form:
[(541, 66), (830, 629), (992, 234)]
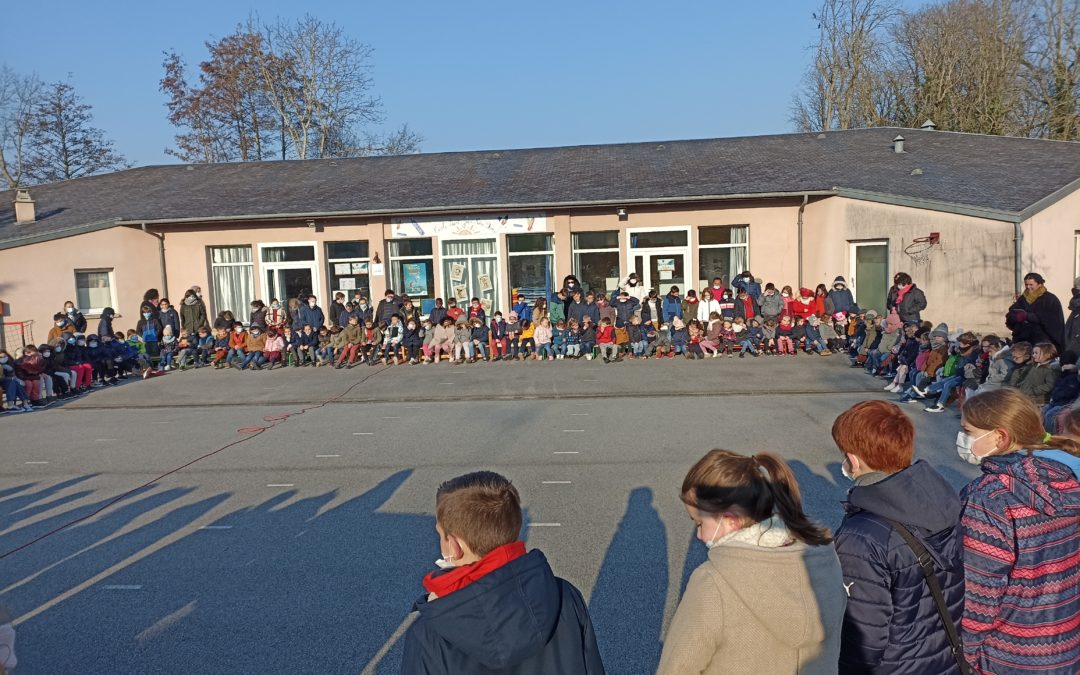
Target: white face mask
[(844, 470), (713, 541), (964, 443), (446, 563)]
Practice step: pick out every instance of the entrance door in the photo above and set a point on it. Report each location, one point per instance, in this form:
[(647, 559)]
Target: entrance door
[(471, 270), (289, 270), (870, 274), (661, 270)]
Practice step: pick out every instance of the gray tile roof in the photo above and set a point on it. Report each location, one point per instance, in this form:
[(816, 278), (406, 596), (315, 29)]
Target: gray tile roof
[(966, 170)]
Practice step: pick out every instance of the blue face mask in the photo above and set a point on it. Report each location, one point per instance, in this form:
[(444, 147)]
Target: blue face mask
[(93, 345), (71, 341), (147, 315)]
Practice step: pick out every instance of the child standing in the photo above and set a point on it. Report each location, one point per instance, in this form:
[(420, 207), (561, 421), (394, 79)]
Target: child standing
[(490, 589), (543, 337)]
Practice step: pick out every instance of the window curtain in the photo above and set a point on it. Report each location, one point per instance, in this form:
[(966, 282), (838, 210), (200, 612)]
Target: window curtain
[(234, 285), (740, 255), (468, 247)]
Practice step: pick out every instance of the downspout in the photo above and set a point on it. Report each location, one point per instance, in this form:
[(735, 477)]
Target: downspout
[(1018, 246), (161, 260), (802, 207)]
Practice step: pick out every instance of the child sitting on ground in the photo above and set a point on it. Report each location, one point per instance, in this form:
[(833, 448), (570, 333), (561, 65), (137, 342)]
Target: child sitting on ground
[(493, 602)]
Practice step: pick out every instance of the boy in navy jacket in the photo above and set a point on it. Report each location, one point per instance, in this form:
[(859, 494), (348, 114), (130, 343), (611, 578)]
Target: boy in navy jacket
[(495, 608)]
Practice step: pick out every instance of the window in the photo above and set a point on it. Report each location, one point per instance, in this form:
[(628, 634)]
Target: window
[(659, 239), (412, 268), (232, 275), (596, 260), (470, 270), (286, 254), (94, 290), (348, 268), (531, 262), (722, 252)]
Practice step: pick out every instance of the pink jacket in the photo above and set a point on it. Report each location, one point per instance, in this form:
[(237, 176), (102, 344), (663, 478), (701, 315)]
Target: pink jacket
[(274, 344), (542, 335)]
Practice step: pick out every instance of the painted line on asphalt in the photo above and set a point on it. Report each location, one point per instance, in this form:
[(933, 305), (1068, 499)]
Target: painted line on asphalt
[(413, 407), (545, 524), (567, 452), (35, 462), (122, 587), (579, 414), (216, 527), (280, 485), (446, 383), (363, 433), (590, 380), (573, 431), (555, 482), (391, 418), (103, 440), (328, 455)]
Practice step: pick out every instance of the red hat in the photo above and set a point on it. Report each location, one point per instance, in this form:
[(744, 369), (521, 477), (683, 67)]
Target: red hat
[(806, 292)]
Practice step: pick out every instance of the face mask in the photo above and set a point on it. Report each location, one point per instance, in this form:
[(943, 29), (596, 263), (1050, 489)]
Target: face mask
[(363, 305), (275, 306), (60, 323), (93, 345), (82, 343), (844, 470), (786, 295), (713, 543), (255, 333), (716, 286), (445, 563), (239, 329), (70, 310), (964, 442), (147, 315), (46, 354), (71, 341), (3, 359)]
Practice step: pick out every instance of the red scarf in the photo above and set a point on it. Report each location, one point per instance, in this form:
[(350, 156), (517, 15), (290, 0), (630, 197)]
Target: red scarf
[(446, 583), (901, 291)]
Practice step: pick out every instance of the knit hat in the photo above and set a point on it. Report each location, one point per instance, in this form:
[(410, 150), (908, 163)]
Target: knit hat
[(942, 330), (871, 314), (806, 293), (840, 280)]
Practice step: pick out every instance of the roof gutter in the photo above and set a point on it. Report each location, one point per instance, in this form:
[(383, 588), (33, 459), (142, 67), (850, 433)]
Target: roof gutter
[(802, 208), (1018, 252), (161, 259), (476, 208)]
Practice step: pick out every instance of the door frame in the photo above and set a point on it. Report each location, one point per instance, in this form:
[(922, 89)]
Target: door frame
[(313, 265), (853, 248), (689, 264), (497, 283)]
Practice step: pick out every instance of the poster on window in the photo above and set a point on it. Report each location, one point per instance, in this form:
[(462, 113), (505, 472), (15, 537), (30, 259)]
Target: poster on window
[(486, 304), (360, 268), (347, 284), (341, 268), (415, 279), (484, 282), (461, 294), (457, 272), (665, 265)]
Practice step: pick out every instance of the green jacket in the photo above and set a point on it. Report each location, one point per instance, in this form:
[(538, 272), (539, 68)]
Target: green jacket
[(556, 312), (1040, 381)]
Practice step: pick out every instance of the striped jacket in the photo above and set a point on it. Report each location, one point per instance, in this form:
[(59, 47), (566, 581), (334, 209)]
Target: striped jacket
[(1021, 523)]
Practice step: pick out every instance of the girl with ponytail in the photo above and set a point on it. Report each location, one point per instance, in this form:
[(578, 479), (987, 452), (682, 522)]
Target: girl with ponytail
[(770, 596), (1021, 522)]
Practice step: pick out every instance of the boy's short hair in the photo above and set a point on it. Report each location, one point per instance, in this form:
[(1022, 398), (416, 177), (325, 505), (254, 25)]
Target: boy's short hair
[(482, 508), (1021, 348), (877, 432)]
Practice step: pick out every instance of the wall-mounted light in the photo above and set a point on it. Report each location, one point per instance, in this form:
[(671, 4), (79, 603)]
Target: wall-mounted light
[(623, 215)]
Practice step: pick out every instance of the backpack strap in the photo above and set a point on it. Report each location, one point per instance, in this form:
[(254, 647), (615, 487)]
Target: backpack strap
[(926, 564)]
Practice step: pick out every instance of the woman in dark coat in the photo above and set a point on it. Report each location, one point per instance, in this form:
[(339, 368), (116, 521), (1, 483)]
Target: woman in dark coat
[(258, 314), (192, 312), (907, 299), (1043, 318), (1072, 325)]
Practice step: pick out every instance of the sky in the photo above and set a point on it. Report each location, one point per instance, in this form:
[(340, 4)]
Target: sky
[(465, 75)]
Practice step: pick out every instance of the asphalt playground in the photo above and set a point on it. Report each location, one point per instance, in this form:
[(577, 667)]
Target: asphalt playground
[(280, 522)]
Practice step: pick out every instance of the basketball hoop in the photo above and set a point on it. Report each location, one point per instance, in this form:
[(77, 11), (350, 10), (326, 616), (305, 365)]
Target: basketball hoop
[(919, 250)]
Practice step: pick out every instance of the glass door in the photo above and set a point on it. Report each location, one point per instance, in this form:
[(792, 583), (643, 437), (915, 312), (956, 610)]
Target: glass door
[(289, 271), (471, 270), (870, 274), (289, 283), (662, 270)]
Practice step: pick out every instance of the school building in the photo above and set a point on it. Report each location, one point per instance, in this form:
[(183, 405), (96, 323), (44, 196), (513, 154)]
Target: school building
[(966, 215)]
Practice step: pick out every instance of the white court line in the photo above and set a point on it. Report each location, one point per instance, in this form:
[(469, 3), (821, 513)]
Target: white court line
[(216, 527), (122, 587), (391, 418), (328, 455), (573, 431), (412, 407), (35, 462), (590, 380), (446, 383), (363, 433), (103, 440), (280, 485), (567, 452), (545, 524), (555, 482), (579, 414)]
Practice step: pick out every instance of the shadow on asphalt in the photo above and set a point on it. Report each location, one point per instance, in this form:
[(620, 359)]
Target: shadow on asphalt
[(292, 585)]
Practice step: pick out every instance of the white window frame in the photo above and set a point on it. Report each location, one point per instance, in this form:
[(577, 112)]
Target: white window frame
[(96, 311), (1076, 253), (390, 259), (745, 245), (689, 261), (330, 261), (853, 246), (574, 251), (316, 278), (210, 257)]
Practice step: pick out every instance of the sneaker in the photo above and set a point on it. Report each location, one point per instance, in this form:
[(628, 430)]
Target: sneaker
[(935, 408), (28, 408), (588, 357), (742, 355), (889, 386)]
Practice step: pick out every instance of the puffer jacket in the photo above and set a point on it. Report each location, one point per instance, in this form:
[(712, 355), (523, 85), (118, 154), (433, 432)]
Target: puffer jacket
[(1040, 381), (910, 307), (772, 305), (1021, 522), (892, 624)]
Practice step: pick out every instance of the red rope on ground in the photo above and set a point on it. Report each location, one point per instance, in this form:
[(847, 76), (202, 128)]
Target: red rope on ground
[(254, 432)]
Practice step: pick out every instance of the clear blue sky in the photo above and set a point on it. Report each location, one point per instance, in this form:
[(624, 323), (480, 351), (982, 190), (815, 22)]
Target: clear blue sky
[(466, 75)]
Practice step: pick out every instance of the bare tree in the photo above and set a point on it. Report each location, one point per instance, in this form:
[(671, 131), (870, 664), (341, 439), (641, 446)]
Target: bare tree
[(839, 86), (1052, 69), (63, 144), (17, 96), (319, 82)]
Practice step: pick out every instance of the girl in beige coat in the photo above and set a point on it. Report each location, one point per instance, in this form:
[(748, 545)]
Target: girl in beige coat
[(770, 598)]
